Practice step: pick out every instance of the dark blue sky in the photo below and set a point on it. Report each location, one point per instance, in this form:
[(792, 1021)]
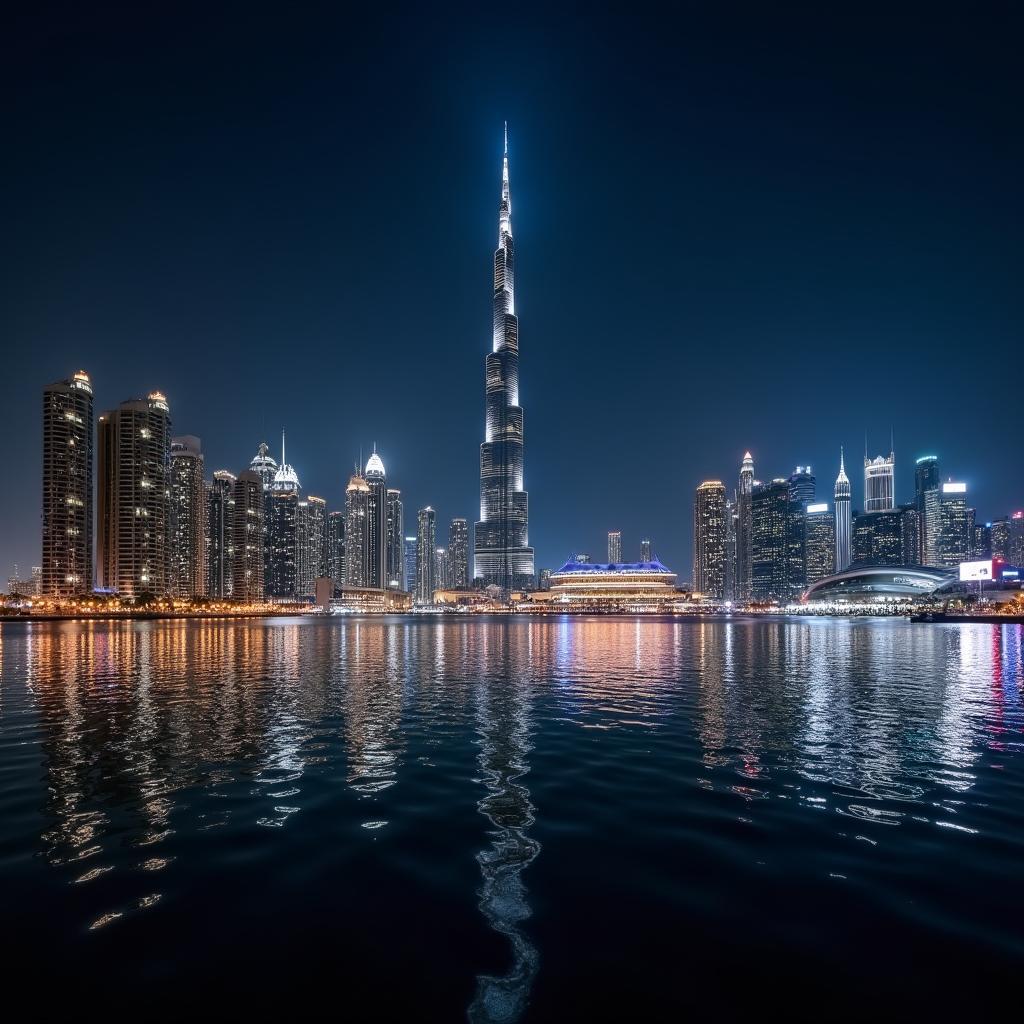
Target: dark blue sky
[(754, 229)]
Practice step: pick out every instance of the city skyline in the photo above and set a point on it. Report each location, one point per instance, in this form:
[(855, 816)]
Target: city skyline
[(766, 220)]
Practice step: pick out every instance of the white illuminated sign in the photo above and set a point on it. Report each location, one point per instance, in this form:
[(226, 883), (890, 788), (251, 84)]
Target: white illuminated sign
[(822, 507), (952, 488), (971, 571)]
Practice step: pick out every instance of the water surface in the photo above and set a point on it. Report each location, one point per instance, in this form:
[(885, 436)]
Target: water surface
[(513, 819)]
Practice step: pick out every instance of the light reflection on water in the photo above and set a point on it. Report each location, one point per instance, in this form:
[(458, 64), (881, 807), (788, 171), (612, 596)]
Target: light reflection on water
[(138, 753)]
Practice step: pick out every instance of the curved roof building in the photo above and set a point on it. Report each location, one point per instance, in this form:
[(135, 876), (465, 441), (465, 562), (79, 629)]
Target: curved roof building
[(613, 587), (867, 583)]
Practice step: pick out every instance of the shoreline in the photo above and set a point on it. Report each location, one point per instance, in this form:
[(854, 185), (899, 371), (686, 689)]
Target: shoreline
[(133, 616)]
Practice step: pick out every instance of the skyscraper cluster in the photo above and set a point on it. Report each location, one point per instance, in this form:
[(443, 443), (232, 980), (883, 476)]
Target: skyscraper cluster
[(162, 529), (770, 540)]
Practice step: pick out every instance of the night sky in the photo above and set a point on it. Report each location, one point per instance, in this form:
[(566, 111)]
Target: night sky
[(745, 229)]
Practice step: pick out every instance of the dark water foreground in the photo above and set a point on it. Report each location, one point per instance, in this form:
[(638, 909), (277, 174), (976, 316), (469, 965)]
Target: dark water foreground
[(421, 819)]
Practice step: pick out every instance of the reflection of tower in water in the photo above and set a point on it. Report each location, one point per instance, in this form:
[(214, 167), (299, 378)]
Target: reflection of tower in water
[(503, 724)]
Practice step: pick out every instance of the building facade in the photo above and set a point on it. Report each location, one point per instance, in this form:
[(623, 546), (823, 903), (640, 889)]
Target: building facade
[(376, 522), (709, 539), (878, 538), (879, 483), (802, 486), (409, 557), (503, 555), (187, 518), (247, 538), (357, 555), (133, 471), (927, 498), (843, 517), (458, 553), (67, 536), (311, 546), (335, 556), (769, 561), (614, 546), (819, 542), (956, 526), (426, 555), (395, 556), (220, 547)]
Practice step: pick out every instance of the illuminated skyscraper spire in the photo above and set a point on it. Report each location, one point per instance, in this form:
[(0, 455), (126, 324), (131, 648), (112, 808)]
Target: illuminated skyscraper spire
[(503, 556), (745, 530), (844, 523)]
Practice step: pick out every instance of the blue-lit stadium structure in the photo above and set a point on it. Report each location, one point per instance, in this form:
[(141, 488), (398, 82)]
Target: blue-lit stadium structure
[(878, 583), (613, 586)]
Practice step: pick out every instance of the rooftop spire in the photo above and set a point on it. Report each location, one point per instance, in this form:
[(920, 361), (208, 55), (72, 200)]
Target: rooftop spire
[(506, 138), (282, 448)]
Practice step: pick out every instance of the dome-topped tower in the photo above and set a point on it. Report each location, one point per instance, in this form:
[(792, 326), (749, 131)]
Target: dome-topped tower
[(264, 464), (374, 466)]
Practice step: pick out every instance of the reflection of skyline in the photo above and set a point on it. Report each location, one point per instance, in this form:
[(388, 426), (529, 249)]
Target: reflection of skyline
[(503, 717), (154, 739)]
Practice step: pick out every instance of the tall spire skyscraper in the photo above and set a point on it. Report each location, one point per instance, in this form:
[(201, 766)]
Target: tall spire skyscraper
[(843, 519), (745, 530), (502, 553)]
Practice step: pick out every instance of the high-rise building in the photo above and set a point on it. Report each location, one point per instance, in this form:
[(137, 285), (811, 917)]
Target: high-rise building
[(426, 554), (281, 532), (709, 529), (956, 528), (999, 539), (134, 497), (927, 498), (376, 523), (879, 483), (187, 518), (247, 538), (394, 558), (441, 570), (645, 549), (67, 487), (545, 579), (769, 558), (357, 555), (802, 486), (843, 518), (878, 538), (982, 548), (910, 524), (730, 548), (745, 531), (409, 557), (1017, 538), (458, 553), (819, 542), (335, 557), (503, 555), (614, 546), (311, 538), (220, 548), (264, 465)]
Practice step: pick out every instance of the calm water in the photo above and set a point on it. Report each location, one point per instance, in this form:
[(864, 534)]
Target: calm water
[(513, 819)]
